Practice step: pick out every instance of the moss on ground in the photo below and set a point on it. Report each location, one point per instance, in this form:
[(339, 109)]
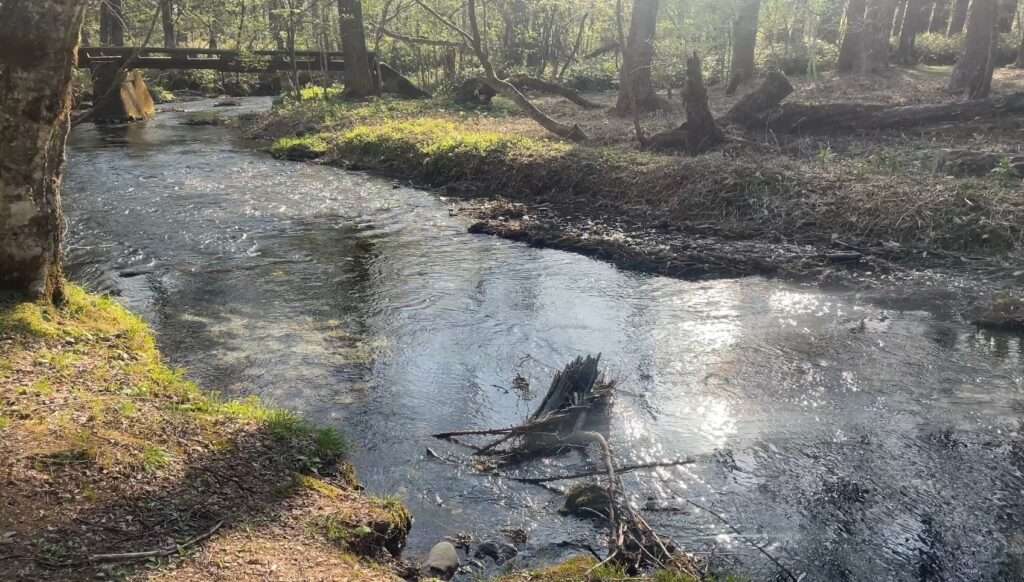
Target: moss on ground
[(105, 449)]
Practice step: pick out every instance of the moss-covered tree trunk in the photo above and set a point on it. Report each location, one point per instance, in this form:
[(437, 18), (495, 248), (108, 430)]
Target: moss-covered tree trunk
[(744, 31), (972, 74), (360, 80), (635, 85), (37, 54)]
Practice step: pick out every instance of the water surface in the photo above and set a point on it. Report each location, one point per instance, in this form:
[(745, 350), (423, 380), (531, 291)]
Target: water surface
[(852, 442)]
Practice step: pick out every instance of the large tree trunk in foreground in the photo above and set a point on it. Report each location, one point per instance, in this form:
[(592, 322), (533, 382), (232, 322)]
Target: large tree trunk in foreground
[(973, 71), (702, 133), (360, 80), (915, 21), (744, 32), (635, 85), (853, 40), (38, 52), (845, 117), (957, 17)]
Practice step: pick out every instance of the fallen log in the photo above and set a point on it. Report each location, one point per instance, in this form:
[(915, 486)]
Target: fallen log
[(398, 84), (844, 117), (752, 108), (526, 83), (749, 111)]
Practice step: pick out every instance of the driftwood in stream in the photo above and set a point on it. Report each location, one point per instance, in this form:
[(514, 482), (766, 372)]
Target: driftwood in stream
[(577, 401)]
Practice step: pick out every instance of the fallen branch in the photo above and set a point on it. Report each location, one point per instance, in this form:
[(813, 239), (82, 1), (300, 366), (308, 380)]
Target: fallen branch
[(624, 469), (532, 83), (131, 556)]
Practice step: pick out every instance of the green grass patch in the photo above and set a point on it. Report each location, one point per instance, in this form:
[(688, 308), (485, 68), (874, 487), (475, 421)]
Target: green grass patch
[(299, 148), (155, 458)]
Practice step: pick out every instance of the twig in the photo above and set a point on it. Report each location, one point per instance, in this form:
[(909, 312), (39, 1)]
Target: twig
[(535, 480), (749, 541), (131, 556)]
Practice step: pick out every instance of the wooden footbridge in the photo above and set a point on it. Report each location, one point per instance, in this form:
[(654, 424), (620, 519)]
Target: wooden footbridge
[(210, 59), (109, 66)]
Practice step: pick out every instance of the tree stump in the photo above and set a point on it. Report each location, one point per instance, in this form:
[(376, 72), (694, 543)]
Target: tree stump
[(702, 133)]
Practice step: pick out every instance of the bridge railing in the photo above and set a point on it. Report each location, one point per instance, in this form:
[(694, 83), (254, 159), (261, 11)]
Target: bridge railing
[(212, 59)]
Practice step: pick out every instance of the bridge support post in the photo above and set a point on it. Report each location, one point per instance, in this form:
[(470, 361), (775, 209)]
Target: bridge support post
[(120, 96)]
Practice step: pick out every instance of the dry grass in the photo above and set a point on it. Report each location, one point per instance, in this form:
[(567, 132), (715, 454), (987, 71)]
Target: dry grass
[(103, 449)]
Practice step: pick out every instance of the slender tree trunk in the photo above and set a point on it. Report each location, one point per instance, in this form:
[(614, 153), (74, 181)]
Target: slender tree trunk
[(914, 22), (167, 19), (939, 21), (957, 16), (38, 52), (874, 57), (853, 40), (117, 22), (744, 38), (1007, 14), (635, 85), (360, 82), (973, 71)]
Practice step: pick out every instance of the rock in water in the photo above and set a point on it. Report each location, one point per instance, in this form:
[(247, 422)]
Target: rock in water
[(590, 501), (442, 561), (499, 552)]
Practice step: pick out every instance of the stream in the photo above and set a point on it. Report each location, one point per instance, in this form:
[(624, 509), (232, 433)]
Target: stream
[(849, 440)]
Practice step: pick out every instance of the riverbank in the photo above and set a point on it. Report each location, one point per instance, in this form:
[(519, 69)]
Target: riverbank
[(813, 208), (113, 466)]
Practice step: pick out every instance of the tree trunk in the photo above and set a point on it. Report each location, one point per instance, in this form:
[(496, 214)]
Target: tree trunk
[(751, 109), (1020, 47), (360, 82), (874, 56), (915, 20), (853, 40), (957, 16), (744, 31), (635, 86), (702, 133), (117, 22), (167, 19), (1007, 14), (973, 71), (939, 20), (36, 59)]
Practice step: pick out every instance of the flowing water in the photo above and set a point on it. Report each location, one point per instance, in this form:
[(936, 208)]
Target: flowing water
[(849, 441)]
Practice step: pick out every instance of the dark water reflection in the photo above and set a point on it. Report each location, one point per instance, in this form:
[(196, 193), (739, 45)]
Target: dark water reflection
[(852, 442)]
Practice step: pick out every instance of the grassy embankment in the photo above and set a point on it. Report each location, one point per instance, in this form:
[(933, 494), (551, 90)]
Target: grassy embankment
[(106, 450), (867, 190)]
